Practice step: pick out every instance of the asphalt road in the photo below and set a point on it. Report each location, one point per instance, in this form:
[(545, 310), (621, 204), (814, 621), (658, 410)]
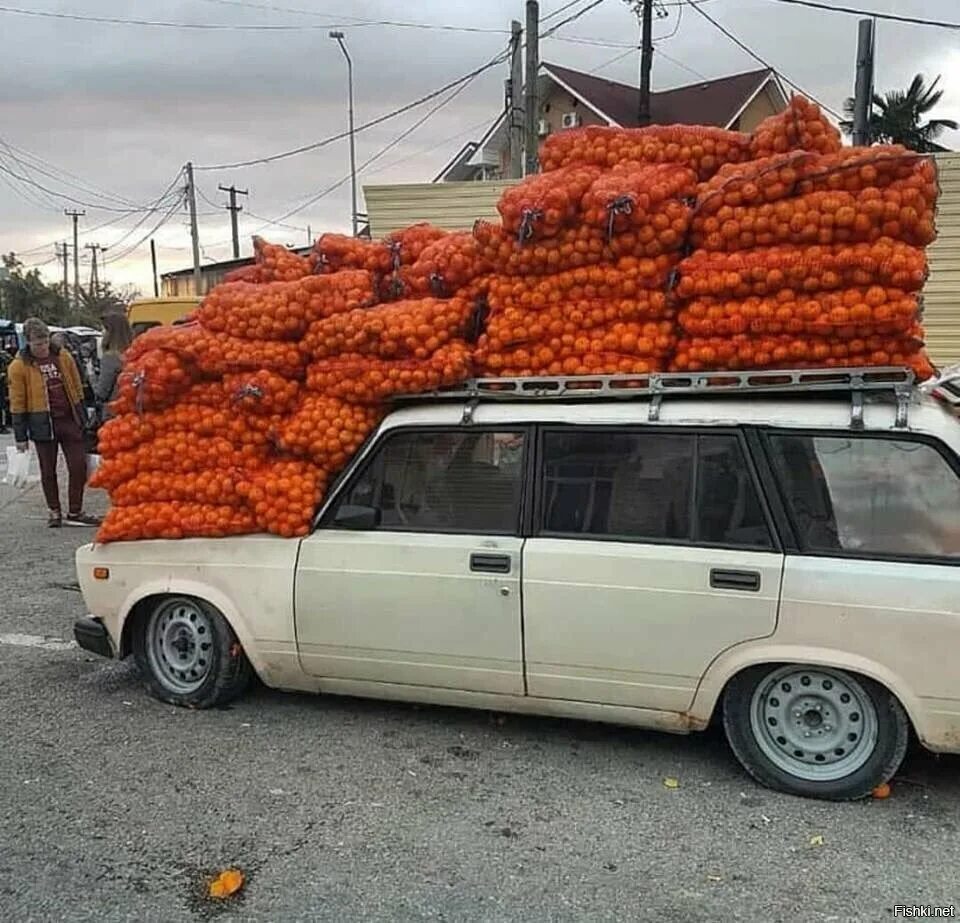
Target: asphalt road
[(116, 807)]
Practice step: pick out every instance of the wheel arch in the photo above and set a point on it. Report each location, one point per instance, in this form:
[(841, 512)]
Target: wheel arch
[(734, 662), (149, 594)]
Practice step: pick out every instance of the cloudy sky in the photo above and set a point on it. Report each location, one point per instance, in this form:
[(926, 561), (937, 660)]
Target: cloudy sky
[(107, 113)]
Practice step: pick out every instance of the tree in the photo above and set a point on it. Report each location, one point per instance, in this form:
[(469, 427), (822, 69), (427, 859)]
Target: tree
[(106, 301), (23, 294), (897, 117)]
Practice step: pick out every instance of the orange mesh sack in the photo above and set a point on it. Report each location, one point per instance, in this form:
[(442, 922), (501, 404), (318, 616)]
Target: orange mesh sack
[(333, 252), (776, 352), (447, 266), (572, 248), (283, 495), (703, 149), (262, 392), (848, 314), (627, 278), (327, 430), (216, 486), (784, 175), (527, 361), (632, 195), (404, 329), (278, 264), (282, 310), (174, 521), (800, 127), (903, 211), (765, 271), (156, 378), (646, 340), (413, 240), (369, 381), (543, 203)]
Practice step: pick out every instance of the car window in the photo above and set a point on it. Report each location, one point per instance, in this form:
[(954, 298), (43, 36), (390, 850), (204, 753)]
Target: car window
[(869, 495), (466, 481), (644, 486)]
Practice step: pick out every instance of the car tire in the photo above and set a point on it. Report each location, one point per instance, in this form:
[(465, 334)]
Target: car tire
[(189, 655), (815, 731)]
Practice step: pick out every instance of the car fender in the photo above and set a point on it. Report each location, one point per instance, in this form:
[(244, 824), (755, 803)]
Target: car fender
[(737, 659), (197, 588)]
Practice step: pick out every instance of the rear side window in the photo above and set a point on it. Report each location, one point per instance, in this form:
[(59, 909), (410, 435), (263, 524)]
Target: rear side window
[(648, 486), (864, 495), (466, 481)]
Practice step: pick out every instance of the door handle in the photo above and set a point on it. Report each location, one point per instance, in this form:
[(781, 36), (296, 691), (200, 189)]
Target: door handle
[(747, 581), (490, 563)]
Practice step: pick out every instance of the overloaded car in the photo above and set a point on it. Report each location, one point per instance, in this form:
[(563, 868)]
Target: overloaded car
[(774, 552)]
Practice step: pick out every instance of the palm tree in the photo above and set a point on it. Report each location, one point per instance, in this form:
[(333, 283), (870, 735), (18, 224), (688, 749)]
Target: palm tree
[(897, 117)]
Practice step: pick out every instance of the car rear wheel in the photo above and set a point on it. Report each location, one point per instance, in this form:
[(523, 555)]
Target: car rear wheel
[(189, 655), (814, 731)]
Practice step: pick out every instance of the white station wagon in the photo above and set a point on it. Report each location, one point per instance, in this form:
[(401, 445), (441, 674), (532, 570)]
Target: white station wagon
[(778, 551)]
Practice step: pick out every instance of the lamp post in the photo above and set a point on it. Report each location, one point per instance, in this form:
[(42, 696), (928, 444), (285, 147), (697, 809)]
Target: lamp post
[(338, 38)]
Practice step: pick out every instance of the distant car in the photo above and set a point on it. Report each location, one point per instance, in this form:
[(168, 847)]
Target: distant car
[(784, 562)]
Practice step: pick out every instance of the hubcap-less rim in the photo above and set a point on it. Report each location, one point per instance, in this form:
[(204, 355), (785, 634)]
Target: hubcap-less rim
[(817, 725), (179, 645)]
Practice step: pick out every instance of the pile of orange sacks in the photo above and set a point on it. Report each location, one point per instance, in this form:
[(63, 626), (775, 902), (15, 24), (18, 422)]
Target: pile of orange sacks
[(636, 250)]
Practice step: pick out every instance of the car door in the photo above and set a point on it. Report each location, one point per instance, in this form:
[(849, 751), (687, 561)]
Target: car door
[(414, 575), (653, 552), (873, 570)]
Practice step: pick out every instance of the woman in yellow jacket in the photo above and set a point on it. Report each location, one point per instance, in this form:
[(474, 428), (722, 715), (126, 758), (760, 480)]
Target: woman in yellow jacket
[(46, 399)]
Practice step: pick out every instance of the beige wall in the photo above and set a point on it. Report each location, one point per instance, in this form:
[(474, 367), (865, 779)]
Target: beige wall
[(560, 101), (764, 104), (941, 294)]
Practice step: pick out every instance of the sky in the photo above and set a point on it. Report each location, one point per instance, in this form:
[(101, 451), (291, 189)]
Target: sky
[(108, 113)]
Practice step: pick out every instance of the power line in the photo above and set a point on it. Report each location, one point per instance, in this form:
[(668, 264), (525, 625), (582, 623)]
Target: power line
[(466, 78), (766, 64), (572, 18), (163, 220), (873, 14), (560, 10)]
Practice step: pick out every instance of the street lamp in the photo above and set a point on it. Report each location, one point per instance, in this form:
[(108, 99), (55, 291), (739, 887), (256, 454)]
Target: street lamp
[(338, 38)]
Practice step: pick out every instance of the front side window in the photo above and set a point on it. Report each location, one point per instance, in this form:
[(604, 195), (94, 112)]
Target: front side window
[(649, 486), (864, 495), (464, 481)]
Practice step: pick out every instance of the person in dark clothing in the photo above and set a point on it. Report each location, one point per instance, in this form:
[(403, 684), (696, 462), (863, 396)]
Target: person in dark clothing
[(117, 336), (4, 399), (46, 399)]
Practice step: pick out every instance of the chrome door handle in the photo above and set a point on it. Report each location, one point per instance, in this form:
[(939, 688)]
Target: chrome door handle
[(747, 581), (490, 563)]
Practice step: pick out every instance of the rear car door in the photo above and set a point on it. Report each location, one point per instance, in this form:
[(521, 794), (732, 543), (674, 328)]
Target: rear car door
[(652, 553), (414, 575)]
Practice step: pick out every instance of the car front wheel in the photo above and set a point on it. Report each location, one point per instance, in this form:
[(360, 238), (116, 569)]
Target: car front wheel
[(815, 731), (189, 654)]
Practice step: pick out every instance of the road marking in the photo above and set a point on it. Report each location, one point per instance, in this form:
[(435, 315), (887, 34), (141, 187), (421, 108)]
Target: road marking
[(40, 641)]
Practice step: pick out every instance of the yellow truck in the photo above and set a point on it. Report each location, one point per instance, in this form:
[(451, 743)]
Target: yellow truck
[(153, 312)]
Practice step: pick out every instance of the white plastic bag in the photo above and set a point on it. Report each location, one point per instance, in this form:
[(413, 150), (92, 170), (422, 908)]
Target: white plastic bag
[(18, 467), (93, 462)]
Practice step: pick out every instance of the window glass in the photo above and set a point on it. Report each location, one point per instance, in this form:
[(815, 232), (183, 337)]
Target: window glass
[(876, 496), (729, 511), (456, 481), (647, 486)]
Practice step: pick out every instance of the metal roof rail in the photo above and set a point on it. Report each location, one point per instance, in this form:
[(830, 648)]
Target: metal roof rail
[(656, 385)]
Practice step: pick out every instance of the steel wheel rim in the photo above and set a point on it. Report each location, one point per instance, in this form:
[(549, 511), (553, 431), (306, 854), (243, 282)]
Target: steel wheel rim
[(817, 724), (180, 645)]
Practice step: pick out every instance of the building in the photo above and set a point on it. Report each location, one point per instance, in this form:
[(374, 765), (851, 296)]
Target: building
[(180, 282), (572, 98)]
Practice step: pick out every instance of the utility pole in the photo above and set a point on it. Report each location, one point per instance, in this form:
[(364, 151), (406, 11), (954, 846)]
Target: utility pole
[(65, 256), (309, 236), (76, 215), (194, 230), (354, 217), (531, 101), (234, 210), (863, 88), (94, 278), (153, 261), (646, 62), (515, 119)]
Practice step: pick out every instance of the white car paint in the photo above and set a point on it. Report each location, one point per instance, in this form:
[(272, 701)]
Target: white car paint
[(610, 631)]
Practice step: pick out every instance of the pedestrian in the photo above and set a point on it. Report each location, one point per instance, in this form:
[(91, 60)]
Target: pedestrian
[(117, 336), (46, 397), (4, 400)]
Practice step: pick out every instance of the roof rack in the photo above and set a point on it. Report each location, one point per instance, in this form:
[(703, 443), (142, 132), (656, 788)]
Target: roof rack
[(654, 386)]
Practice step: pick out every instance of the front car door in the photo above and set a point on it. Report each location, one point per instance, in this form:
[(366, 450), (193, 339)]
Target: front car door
[(427, 590), (652, 554)]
